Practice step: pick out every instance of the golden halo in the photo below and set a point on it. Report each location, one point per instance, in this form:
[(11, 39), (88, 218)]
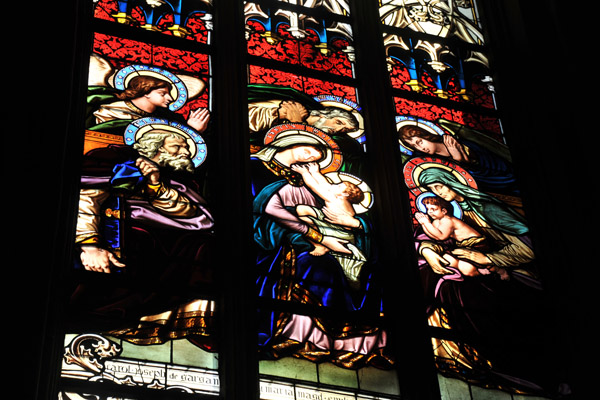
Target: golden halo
[(333, 158), (422, 167)]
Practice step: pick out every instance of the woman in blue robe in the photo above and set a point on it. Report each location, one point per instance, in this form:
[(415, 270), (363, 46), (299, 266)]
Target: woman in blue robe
[(496, 324), (288, 272)]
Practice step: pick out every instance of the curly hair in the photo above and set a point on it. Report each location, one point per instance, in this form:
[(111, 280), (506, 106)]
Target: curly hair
[(354, 193), (149, 144), (142, 85), (441, 203), (333, 112), (407, 132)]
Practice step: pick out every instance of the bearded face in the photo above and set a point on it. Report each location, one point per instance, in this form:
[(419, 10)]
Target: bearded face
[(177, 162), (334, 124), (167, 150), (321, 124)]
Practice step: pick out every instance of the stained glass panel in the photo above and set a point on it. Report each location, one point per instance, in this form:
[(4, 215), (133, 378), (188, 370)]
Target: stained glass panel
[(443, 71), (94, 357), (317, 267), (434, 48), (311, 86), (445, 19), (142, 309), (143, 293), (188, 19), (475, 256), (485, 297), (480, 121), (336, 7), (299, 39)]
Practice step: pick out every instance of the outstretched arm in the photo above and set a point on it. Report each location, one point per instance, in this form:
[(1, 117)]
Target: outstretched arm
[(315, 173)]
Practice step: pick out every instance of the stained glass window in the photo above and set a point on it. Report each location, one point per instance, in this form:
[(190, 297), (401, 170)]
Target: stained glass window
[(475, 257), (434, 48), (321, 317), (191, 20), (141, 311), (263, 205)]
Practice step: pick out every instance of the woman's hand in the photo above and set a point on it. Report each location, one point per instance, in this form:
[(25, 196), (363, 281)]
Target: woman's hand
[(472, 255), (435, 261), (340, 217)]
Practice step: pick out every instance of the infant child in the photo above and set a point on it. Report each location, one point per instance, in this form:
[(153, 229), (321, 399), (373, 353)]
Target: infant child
[(339, 198), (444, 226)]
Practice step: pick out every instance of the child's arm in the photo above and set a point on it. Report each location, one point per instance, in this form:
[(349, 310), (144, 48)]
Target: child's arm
[(313, 178), (315, 173), (441, 232), (320, 185)]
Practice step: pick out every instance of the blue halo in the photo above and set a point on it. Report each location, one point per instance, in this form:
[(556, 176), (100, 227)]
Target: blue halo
[(329, 97), (182, 93), (151, 123), (457, 211)]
